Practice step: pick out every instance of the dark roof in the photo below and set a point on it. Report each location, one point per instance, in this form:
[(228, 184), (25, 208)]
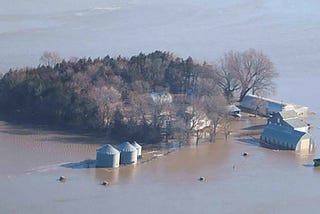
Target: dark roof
[(284, 134)]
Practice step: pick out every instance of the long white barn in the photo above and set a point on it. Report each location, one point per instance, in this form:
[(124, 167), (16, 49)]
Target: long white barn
[(268, 106)]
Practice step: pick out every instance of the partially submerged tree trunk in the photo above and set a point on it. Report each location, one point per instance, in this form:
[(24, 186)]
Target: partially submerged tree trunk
[(197, 137), (226, 127)]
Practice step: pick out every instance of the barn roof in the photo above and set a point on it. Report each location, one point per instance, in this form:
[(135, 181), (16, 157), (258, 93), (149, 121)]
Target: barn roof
[(295, 123), (288, 114), (253, 98), (284, 134)]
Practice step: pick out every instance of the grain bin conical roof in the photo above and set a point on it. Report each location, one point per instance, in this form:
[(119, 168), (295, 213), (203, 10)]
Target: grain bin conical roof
[(138, 147), (126, 147), (108, 149), (135, 144)]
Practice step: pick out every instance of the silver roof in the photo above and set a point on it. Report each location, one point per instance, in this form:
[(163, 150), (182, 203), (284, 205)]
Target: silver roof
[(135, 144), (232, 108), (295, 123), (288, 114), (126, 147), (108, 150), (284, 134)]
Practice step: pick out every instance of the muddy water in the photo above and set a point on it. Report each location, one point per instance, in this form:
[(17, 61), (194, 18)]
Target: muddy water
[(28, 149), (266, 181)]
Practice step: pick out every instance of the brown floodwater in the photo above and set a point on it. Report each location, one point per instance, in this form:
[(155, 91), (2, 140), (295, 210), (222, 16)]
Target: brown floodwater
[(266, 181)]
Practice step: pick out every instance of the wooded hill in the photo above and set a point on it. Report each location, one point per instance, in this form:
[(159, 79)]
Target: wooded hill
[(113, 94)]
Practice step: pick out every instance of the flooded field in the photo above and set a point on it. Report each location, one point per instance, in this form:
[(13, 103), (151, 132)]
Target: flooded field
[(267, 181)]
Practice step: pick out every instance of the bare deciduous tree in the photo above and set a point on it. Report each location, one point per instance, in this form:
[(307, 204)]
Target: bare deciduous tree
[(260, 106), (214, 107), (248, 71), (50, 58), (139, 107), (108, 99), (195, 120), (226, 127), (257, 73), (230, 66)]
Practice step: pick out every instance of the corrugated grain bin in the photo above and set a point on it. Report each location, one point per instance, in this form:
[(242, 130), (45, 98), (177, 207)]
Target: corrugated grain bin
[(138, 147), (128, 153), (108, 156)]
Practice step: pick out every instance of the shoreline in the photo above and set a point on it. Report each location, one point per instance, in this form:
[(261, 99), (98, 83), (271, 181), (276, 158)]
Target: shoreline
[(72, 154), (230, 177), (73, 150)]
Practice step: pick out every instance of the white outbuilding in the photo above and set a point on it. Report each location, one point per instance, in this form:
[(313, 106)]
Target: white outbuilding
[(268, 106)]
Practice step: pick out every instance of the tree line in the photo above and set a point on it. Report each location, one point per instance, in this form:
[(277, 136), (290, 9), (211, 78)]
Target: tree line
[(113, 94)]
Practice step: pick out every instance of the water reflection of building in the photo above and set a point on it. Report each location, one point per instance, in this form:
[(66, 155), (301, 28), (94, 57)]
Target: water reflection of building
[(111, 175), (115, 175)]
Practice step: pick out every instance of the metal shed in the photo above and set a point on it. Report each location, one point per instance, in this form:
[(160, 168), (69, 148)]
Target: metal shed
[(128, 153), (138, 147), (266, 106), (289, 119), (287, 138), (108, 156)]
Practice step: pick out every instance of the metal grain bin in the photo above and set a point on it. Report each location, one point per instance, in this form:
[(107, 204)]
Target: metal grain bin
[(138, 147), (128, 153), (108, 156)]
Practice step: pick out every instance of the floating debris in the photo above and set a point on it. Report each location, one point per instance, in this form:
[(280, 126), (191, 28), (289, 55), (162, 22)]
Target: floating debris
[(105, 183), (316, 162), (202, 179), (245, 154), (62, 178)]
